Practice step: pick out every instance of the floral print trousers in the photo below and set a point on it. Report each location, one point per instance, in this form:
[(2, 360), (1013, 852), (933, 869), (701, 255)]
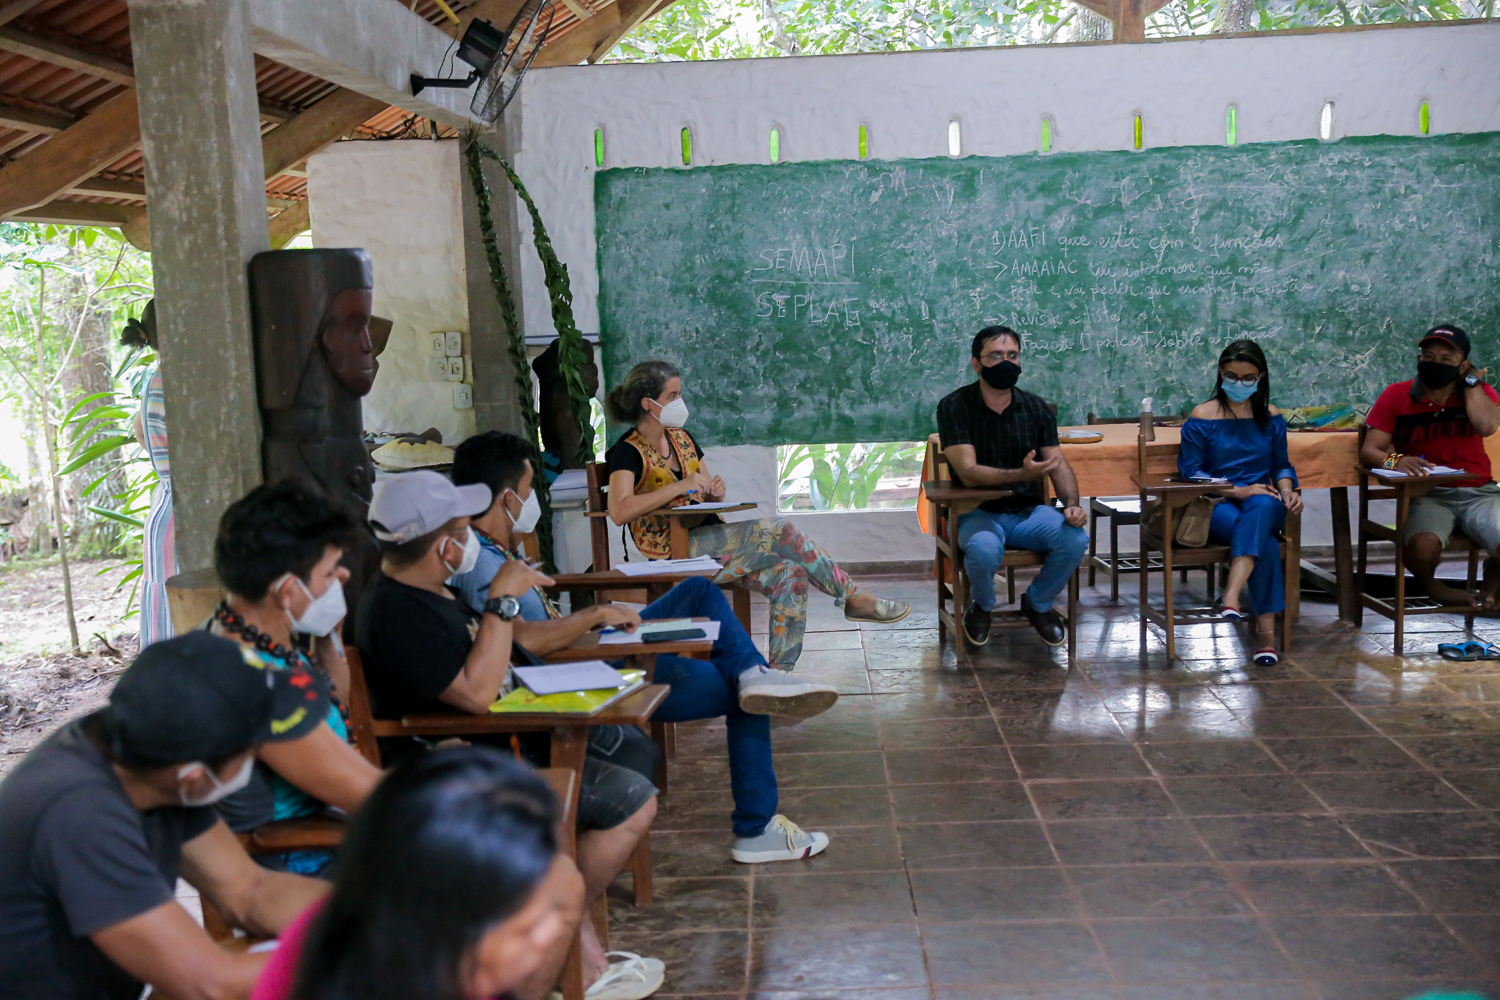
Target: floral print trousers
[(775, 559)]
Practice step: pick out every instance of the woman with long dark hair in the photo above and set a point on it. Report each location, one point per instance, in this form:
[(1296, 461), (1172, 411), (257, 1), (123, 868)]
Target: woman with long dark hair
[(448, 886), (1238, 435)]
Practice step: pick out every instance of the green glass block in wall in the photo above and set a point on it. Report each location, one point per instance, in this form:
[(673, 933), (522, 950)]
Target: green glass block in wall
[(1424, 120), (1232, 127), (1139, 133), (775, 145), (687, 146), (864, 142), (598, 147), (1046, 135)]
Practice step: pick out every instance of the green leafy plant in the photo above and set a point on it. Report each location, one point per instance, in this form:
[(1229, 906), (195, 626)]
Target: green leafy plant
[(844, 476)]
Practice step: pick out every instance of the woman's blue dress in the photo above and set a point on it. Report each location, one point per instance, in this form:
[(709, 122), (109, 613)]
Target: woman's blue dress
[(1244, 453)]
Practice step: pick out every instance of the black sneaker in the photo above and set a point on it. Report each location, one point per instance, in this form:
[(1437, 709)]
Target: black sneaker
[(1050, 625), (977, 625)]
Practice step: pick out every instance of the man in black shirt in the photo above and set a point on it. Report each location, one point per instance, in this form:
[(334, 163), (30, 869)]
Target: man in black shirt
[(426, 650), (97, 822), (994, 434)]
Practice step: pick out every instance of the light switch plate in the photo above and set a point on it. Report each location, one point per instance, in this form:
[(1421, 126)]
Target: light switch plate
[(463, 396), (439, 345), (455, 369), (438, 368), (454, 346)]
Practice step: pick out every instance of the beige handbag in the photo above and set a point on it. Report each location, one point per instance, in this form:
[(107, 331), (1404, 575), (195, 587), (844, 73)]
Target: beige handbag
[(1192, 522)]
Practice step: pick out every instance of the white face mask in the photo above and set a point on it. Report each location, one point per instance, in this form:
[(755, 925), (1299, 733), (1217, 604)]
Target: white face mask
[(531, 512), (470, 556), (323, 613), (674, 414), (220, 788)]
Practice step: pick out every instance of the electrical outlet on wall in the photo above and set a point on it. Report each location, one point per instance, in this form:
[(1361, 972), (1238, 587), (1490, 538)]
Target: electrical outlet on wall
[(439, 345), (454, 346), (463, 396), (455, 369), (438, 368)]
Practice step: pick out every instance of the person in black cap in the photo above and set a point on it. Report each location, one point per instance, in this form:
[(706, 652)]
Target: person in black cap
[(97, 821), (1440, 419)]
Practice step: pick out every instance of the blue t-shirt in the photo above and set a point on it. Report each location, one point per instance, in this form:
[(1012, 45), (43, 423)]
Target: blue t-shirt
[(475, 584), (1240, 451)]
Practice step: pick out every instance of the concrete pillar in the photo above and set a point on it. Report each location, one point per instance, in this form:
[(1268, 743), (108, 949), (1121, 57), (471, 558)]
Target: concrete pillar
[(496, 403), (200, 132)]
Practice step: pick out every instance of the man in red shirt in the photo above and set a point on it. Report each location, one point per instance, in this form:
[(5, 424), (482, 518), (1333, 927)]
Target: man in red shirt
[(1442, 418)]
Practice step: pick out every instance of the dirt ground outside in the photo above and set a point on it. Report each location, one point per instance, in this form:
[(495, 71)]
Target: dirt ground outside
[(42, 684)]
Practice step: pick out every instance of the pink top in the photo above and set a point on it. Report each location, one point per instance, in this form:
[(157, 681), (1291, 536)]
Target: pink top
[(279, 976)]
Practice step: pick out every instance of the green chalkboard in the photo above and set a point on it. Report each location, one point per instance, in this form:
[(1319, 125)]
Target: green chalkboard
[(835, 301)]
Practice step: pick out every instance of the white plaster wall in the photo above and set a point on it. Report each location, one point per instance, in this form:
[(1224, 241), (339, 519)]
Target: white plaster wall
[(1183, 89), (401, 202)]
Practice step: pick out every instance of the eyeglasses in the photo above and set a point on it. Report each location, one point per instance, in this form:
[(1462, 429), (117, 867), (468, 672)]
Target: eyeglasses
[(1238, 380), (995, 357)]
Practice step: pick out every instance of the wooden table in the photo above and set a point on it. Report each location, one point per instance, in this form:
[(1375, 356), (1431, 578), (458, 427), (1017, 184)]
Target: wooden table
[(612, 581)]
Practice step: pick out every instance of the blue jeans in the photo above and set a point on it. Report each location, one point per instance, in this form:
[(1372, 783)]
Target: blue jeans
[(707, 690), (984, 536), (1249, 528)]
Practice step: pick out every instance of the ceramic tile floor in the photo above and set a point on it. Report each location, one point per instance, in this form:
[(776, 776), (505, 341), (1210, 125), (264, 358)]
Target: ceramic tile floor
[(1014, 829)]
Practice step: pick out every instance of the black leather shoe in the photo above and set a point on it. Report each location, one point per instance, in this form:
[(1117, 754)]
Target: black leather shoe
[(977, 625), (1050, 625)]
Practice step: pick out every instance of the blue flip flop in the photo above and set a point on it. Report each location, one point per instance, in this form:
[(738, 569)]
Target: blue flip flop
[(1468, 652)]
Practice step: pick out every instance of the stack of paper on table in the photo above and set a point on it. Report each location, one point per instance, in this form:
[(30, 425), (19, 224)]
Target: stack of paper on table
[(569, 702), (694, 565), (1436, 470), (612, 638)]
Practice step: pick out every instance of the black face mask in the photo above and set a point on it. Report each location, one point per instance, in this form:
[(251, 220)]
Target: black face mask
[(1435, 374), (1001, 376)]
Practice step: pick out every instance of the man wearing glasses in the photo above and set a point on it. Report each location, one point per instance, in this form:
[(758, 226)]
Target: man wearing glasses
[(995, 435)]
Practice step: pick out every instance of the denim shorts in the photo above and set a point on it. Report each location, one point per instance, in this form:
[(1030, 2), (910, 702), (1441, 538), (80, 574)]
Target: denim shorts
[(617, 776), (1472, 510)]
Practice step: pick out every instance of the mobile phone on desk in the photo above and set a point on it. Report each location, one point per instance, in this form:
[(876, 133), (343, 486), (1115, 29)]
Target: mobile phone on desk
[(677, 635)]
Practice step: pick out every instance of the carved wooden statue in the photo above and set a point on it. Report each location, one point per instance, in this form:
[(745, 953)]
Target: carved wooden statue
[(313, 362)]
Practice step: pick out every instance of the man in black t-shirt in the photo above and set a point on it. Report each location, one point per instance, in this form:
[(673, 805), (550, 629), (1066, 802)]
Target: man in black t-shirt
[(995, 435), (97, 822), (426, 650)]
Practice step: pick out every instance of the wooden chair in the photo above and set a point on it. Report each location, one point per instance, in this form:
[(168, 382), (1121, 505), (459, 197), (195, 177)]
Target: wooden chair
[(598, 514), (949, 503), (1404, 491), (1155, 463), (1120, 511), (569, 735)]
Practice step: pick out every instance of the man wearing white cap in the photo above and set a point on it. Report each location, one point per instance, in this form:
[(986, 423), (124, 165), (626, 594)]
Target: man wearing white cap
[(425, 649)]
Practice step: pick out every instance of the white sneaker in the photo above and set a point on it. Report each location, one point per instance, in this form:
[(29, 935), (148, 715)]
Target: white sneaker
[(782, 840), (633, 979), (766, 691)]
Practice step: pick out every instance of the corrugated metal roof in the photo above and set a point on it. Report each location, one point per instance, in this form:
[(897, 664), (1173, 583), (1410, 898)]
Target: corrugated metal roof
[(47, 82)]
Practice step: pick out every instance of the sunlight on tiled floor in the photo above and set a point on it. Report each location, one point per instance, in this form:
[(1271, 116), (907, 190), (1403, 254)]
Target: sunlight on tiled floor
[(1015, 829)]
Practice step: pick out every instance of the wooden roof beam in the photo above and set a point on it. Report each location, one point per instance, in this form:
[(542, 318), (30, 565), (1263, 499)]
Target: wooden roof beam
[(57, 53), (77, 213), (72, 156), (12, 9), (29, 119), (100, 187)]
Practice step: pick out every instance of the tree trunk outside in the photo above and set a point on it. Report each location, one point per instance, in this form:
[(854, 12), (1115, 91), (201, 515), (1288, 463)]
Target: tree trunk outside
[(88, 372), (1232, 16), (1090, 27)]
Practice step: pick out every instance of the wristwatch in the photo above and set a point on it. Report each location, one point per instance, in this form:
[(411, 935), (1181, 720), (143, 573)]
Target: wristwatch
[(1471, 380), (506, 606)]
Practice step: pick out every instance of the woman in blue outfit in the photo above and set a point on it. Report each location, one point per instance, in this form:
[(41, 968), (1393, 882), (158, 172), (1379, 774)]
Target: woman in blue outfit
[(1238, 435)]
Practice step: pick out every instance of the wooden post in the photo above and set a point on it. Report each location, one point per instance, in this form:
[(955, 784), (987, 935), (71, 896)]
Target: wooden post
[(1127, 16)]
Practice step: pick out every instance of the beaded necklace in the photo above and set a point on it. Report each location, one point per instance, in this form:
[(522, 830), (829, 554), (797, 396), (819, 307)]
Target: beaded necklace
[(236, 625)]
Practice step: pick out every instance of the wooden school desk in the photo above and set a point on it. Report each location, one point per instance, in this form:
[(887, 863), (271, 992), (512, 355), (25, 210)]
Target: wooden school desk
[(1324, 460)]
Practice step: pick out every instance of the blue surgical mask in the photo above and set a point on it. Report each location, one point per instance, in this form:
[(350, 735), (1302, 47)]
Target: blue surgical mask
[(1238, 392)]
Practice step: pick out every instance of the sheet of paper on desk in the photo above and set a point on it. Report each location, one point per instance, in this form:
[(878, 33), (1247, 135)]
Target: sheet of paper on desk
[(1436, 470), (694, 508), (710, 631), (590, 675), (697, 564)]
